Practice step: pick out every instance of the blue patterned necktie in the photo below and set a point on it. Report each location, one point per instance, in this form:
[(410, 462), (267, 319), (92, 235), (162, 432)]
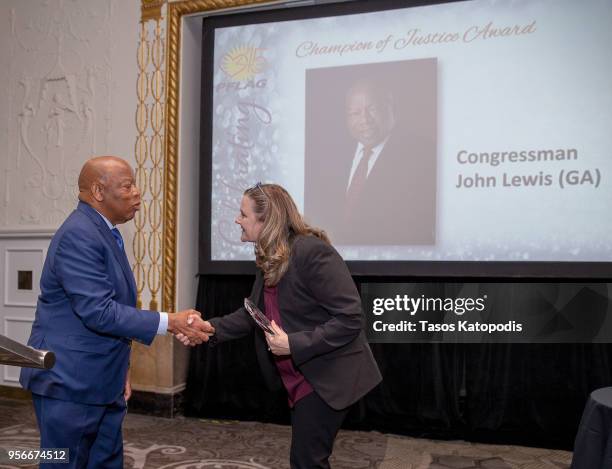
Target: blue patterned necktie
[(117, 237)]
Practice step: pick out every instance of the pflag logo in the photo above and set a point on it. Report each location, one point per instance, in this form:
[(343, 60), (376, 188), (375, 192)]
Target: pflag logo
[(243, 63)]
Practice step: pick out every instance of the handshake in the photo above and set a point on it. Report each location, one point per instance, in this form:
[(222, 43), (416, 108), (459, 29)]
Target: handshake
[(189, 327)]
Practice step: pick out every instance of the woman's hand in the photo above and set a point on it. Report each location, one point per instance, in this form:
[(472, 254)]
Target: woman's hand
[(278, 343)]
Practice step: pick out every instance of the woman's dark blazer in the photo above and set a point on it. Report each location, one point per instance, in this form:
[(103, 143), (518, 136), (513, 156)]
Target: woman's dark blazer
[(321, 313)]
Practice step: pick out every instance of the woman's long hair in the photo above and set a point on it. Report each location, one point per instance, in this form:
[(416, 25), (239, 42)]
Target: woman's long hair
[(281, 223)]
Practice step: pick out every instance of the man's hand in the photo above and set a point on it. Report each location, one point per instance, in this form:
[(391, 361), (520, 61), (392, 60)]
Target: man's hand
[(278, 343), (197, 322), (192, 329), (127, 390)]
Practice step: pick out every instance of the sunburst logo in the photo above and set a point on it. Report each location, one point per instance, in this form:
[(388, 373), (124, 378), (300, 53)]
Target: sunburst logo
[(243, 63)]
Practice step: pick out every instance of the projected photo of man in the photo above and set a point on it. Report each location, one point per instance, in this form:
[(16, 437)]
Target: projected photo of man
[(378, 186)]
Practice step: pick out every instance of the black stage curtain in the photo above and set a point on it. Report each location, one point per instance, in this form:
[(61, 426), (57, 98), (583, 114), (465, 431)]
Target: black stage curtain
[(530, 394)]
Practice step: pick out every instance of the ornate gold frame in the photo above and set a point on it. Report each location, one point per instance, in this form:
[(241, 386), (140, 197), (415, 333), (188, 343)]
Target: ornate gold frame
[(175, 13)]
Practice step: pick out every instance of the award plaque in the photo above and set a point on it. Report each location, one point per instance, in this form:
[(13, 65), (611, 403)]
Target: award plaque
[(260, 319)]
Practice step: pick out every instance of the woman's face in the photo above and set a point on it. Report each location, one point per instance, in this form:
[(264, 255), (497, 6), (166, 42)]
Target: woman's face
[(247, 219)]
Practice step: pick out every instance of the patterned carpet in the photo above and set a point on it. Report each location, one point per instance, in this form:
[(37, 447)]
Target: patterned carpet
[(186, 443)]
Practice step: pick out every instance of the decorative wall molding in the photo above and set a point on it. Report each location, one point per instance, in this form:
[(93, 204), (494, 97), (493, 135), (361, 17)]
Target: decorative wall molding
[(161, 389), (20, 334), (151, 10), (60, 92), (41, 232), (149, 149), (68, 93), (156, 148), (175, 13), (22, 258), (21, 262)]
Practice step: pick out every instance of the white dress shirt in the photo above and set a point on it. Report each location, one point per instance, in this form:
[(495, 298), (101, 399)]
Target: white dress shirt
[(359, 155)]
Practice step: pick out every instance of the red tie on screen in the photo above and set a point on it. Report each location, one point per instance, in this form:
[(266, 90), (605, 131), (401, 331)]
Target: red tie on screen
[(357, 183)]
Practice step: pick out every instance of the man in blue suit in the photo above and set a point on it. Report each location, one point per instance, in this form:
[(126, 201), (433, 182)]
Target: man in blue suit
[(86, 315)]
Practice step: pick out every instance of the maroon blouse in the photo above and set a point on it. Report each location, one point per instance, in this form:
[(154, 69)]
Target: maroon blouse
[(296, 385)]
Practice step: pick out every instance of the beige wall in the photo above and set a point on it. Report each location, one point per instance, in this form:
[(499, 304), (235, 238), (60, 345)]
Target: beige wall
[(69, 74)]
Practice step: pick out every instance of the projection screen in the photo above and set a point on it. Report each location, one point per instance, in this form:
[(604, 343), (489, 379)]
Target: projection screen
[(483, 129)]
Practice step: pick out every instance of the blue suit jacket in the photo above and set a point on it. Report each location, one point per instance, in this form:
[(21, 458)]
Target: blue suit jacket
[(85, 314)]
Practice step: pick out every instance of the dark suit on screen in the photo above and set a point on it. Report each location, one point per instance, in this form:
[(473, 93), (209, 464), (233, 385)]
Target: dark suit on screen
[(86, 315), (397, 205)]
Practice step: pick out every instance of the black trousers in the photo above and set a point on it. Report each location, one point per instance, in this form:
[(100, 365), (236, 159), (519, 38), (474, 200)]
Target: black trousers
[(314, 426)]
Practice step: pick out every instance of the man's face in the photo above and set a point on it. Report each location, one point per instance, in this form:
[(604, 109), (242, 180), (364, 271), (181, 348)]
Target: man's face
[(121, 196), (369, 115)]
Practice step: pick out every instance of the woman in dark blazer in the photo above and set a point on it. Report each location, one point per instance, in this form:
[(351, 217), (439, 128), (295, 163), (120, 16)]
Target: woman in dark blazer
[(319, 349)]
